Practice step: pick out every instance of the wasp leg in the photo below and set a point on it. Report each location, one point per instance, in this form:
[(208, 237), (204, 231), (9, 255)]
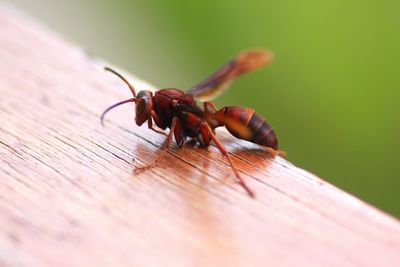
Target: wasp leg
[(180, 137), (225, 153), (150, 125), (210, 112), (210, 107), (164, 149)]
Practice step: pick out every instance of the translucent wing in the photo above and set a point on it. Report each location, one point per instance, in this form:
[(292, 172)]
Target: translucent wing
[(215, 84)]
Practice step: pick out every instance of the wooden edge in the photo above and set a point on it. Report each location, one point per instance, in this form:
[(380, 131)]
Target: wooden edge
[(68, 196)]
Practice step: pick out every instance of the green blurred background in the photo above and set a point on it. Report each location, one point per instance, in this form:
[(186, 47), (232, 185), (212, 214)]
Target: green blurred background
[(332, 93)]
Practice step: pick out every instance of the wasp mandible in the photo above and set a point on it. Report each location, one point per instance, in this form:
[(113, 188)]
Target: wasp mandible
[(177, 110)]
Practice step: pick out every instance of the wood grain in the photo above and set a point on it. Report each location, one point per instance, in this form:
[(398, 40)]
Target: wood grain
[(68, 196)]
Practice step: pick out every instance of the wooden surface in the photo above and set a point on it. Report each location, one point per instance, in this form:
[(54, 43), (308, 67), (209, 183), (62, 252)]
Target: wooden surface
[(68, 196)]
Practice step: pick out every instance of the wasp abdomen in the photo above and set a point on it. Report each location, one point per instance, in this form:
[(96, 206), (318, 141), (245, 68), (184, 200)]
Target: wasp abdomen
[(259, 130)]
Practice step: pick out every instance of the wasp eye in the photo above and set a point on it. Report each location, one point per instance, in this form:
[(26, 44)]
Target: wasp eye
[(140, 106), (144, 105)]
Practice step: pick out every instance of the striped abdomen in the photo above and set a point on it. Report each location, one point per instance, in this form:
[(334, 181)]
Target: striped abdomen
[(245, 124)]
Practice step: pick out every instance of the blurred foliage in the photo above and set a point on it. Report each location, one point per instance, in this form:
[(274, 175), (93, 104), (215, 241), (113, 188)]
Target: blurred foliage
[(332, 94)]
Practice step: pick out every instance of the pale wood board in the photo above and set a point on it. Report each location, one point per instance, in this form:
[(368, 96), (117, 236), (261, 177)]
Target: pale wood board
[(68, 196)]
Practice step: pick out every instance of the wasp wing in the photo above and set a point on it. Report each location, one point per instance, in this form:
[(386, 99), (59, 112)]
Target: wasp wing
[(219, 81)]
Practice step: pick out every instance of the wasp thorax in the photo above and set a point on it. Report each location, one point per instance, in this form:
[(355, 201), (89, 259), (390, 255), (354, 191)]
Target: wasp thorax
[(144, 105)]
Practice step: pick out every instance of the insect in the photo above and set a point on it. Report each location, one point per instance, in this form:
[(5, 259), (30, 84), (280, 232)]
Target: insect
[(178, 110)]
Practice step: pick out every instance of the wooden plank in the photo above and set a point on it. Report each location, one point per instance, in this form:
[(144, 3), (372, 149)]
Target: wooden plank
[(68, 196)]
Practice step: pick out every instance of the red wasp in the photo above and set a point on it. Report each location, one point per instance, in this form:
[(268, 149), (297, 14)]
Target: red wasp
[(177, 110)]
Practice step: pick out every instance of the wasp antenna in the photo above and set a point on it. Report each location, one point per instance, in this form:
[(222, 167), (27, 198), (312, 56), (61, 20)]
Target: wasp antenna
[(122, 78), (113, 106)]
